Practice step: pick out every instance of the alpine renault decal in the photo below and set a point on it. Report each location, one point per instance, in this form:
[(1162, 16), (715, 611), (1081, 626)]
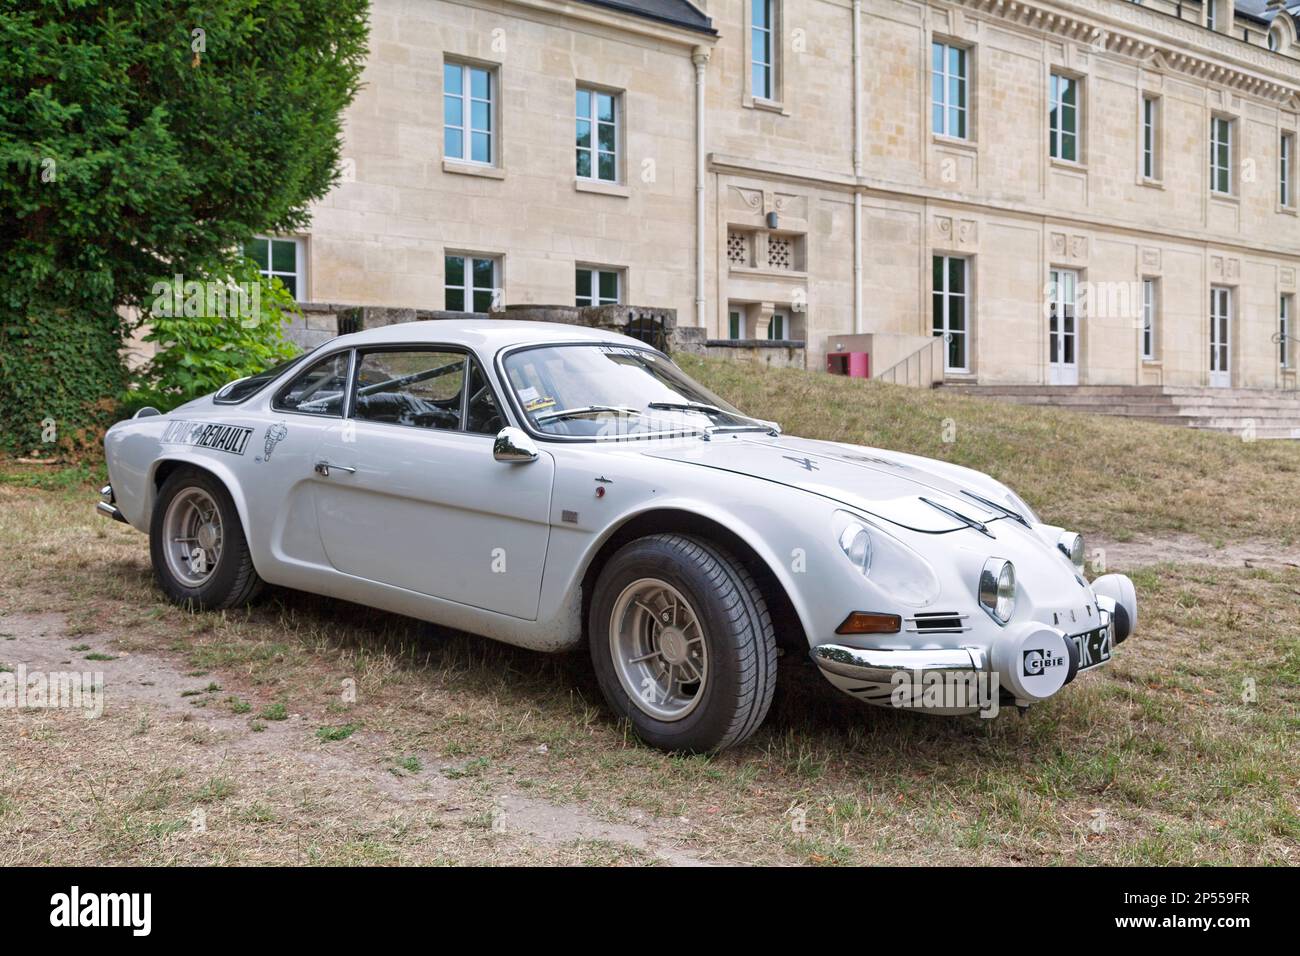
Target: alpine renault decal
[(214, 435)]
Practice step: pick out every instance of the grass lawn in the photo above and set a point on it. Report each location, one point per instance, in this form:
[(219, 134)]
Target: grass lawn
[(307, 730)]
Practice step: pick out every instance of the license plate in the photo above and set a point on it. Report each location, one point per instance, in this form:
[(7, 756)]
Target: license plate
[(1094, 647)]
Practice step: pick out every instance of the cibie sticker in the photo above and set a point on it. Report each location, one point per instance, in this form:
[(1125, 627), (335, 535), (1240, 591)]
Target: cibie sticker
[(215, 435), (537, 404)]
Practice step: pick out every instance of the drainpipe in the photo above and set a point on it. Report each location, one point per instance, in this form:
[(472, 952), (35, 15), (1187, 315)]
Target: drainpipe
[(857, 167), (700, 57)]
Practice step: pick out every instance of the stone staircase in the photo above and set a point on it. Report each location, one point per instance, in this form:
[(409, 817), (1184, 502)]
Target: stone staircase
[(1249, 412)]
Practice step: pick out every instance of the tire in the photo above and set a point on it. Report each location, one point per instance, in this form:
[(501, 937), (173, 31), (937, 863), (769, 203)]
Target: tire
[(228, 581), (732, 645)]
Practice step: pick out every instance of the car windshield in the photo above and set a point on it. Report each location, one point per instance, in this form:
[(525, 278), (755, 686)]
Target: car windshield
[(245, 388), (603, 390)]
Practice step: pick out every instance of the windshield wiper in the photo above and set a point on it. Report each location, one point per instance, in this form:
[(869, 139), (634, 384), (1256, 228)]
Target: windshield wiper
[(968, 521), (756, 424), (584, 410), (1009, 512)]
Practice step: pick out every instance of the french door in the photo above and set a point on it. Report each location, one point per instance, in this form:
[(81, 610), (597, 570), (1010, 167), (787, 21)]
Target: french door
[(1063, 328), (1220, 337)]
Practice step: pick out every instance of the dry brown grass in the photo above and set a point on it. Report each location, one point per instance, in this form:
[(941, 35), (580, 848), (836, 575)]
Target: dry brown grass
[(1157, 759)]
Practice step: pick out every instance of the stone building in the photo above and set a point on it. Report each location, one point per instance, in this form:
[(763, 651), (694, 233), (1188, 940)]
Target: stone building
[(1019, 191)]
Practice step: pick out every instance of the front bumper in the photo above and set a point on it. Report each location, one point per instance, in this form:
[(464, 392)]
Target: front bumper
[(108, 505), (1028, 663)]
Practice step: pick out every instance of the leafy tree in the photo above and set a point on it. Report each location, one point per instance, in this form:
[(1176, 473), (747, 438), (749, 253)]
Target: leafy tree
[(140, 140)]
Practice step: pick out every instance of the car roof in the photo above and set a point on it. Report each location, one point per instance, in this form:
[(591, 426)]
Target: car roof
[(483, 335)]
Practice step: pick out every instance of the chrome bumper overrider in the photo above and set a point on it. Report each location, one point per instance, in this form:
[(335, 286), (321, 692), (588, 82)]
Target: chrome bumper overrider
[(879, 667), (108, 507)]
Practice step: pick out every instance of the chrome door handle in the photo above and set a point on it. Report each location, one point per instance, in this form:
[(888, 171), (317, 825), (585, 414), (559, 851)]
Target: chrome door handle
[(323, 469)]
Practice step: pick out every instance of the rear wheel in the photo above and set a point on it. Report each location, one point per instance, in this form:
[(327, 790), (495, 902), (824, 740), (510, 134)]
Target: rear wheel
[(682, 643), (197, 545)]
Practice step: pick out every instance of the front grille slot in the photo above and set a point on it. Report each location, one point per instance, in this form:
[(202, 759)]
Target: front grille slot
[(938, 622)]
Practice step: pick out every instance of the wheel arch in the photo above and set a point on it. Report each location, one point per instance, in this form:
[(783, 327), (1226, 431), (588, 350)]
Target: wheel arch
[(163, 468), (789, 621)]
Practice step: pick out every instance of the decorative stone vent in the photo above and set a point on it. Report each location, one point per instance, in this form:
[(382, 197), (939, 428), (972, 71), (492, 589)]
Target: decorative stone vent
[(780, 253), (738, 248)]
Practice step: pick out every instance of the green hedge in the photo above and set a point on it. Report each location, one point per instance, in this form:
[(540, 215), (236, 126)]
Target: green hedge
[(60, 379)]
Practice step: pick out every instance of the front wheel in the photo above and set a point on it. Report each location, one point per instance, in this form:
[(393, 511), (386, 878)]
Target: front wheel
[(197, 544), (682, 643)]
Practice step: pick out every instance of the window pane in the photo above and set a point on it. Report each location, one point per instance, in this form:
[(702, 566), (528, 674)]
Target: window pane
[(257, 251), (936, 57), (454, 144), (957, 351), (455, 300), (480, 115), (583, 283), (957, 275), (605, 107), (481, 147), (454, 266), (937, 276), (284, 255), (291, 284), (759, 12), (936, 118), (317, 391), (483, 300), (428, 395), (453, 111), (484, 274), (609, 286), (606, 170), (760, 80), (453, 79), (956, 314), (480, 84), (605, 136), (584, 163), (582, 103), (584, 134)]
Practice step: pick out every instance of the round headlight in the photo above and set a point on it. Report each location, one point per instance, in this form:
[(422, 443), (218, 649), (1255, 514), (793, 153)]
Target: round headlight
[(1071, 545), (855, 542), (998, 589)]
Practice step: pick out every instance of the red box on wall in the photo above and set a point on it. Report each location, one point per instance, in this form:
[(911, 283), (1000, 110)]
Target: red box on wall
[(852, 364)]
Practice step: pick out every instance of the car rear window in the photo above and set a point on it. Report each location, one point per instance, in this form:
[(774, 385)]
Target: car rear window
[(246, 388)]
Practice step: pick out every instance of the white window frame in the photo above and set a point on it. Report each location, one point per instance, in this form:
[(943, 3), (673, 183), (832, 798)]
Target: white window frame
[(1286, 170), (1057, 132), (1150, 303), (593, 151), (1221, 297), (1150, 137), (1221, 126), (946, 296), (1211, 14), (771, 33), (467, 101), (469, 289), (299, 272), (941, 109), (596, 298)]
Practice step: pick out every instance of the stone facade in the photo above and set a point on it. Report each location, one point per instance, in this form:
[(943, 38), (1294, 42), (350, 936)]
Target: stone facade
[(825, 205)]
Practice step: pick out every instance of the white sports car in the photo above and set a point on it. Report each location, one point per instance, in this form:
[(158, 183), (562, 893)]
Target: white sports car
[(549, 485)]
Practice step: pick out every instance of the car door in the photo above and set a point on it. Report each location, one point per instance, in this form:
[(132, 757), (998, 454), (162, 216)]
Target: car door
[(408, 492)]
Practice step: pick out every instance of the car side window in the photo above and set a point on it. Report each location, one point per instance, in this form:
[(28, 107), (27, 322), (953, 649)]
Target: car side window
[(319, 390), (483, 416), (418, 387)]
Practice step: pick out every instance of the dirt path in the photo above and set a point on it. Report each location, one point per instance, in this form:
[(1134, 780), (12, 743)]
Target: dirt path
[(173, 773), (1189, 549)]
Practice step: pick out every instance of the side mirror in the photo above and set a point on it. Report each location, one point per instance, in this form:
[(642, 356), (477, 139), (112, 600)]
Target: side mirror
[(511, 444)]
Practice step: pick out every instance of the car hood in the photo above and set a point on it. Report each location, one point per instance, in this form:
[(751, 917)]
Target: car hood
[(902, 489)]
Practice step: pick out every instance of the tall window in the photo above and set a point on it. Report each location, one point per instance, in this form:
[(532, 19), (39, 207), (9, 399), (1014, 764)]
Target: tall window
[(1284, 331), (1064, 118), (735, 324), (948, 90), (1221, 155), (1148, 319), (1150, 137), (950, 310), (776, 327), (1286, 170), (278, 258), (597, 286), (470, 283), (762, 48), (597, 135), (1212, 14), (467, 105)]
